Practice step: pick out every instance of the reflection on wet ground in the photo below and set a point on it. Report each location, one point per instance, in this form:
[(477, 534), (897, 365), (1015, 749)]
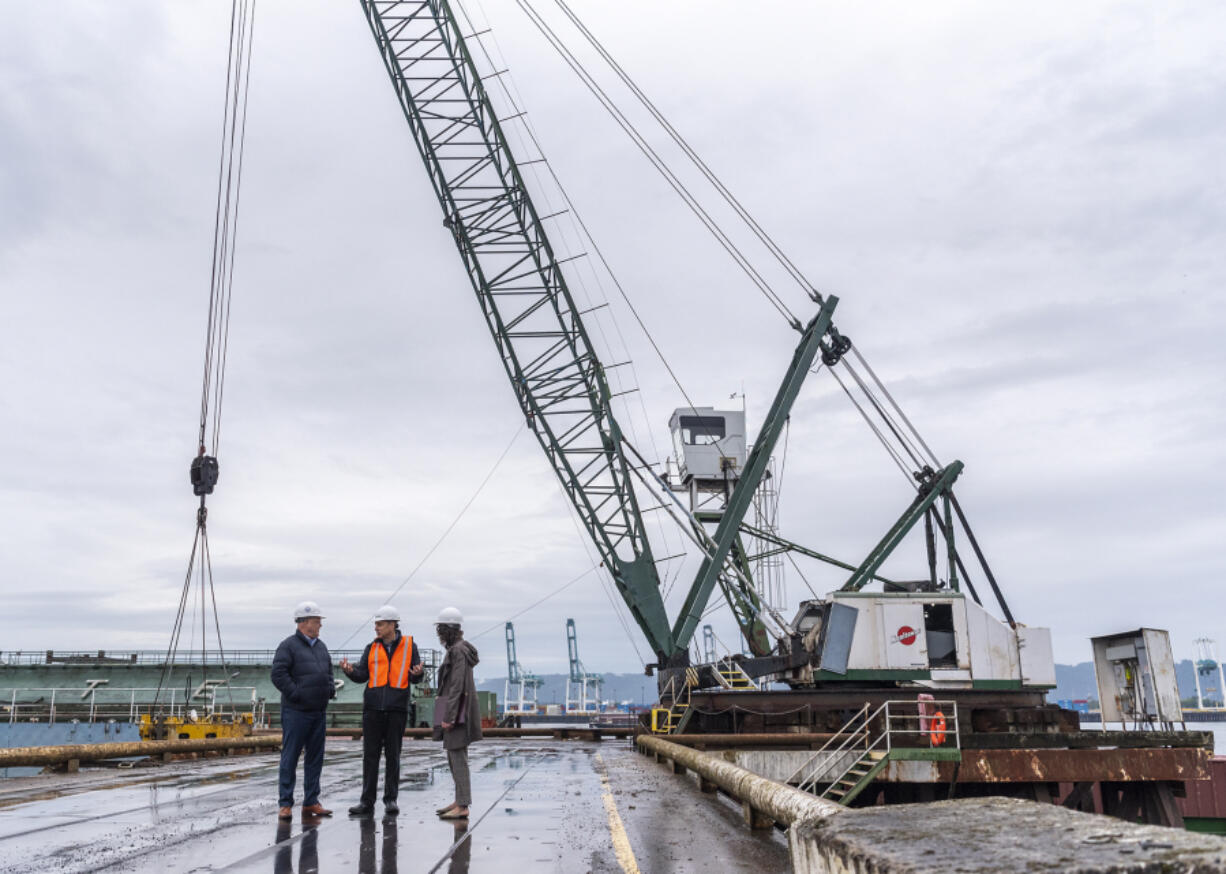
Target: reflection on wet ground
[(537, 805)]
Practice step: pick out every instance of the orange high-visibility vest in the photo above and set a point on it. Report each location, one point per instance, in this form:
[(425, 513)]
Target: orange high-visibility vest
[(395, 673)]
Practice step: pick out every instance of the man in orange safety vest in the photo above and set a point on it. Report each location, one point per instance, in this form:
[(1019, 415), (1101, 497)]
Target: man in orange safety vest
[(389, 664)]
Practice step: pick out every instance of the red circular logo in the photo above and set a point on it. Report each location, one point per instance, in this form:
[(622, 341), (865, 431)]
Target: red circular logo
[(906, 635)]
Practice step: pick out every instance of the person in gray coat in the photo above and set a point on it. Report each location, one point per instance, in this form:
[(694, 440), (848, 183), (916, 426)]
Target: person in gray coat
[(457, 714)]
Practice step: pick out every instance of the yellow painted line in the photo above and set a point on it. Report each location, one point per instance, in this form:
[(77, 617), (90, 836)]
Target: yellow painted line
[(621, 841)]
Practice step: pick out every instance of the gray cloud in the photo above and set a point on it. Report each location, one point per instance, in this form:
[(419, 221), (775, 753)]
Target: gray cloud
[(1020, 208)]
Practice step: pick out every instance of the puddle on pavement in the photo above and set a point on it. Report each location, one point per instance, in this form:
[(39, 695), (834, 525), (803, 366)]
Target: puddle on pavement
[(525, 812)]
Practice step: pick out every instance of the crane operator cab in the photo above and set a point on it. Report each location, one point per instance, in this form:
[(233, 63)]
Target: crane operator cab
[(709, 447)]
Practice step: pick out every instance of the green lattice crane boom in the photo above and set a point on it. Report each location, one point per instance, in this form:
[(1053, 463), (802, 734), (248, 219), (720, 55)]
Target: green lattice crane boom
[(545, 349)]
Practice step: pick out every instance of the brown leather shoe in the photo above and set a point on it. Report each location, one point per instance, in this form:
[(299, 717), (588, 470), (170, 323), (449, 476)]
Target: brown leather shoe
[(285, 813), (315, 810)]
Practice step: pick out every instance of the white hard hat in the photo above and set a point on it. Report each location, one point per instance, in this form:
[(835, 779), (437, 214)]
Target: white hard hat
[(450, 616), (387, 613), (307, 610)]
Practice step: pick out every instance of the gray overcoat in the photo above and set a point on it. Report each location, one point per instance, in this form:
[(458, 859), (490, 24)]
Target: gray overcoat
[(455, 681)]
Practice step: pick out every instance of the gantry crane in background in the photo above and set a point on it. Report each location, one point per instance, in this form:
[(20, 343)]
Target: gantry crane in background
[(523, 682), (909, 633), (582, 688), (708, 644), (1207, 664)]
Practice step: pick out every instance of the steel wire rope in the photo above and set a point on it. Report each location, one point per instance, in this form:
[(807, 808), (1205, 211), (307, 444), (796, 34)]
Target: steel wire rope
[(678, 187), (803, 578), (225, 219), (604, 583), (536, 603), (694, 157), (661, 166), (856, 352), (221, 652), (787, 314), (210, 325), (902, 439), (221, 287), (574, 212), (447, 531), (176, 630), (516, 103), (229, 278), (872, 425)]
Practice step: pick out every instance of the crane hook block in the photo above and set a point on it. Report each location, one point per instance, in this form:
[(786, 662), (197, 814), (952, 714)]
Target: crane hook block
[(204, 474)]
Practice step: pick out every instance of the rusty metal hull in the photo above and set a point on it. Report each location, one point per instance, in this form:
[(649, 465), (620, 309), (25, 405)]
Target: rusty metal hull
[(1076, 766)]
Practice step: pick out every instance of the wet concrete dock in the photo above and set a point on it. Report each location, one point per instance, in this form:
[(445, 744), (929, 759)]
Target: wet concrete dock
[(554, 806)]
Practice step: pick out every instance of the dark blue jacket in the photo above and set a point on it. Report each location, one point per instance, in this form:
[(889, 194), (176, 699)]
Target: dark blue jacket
[(303, 674)]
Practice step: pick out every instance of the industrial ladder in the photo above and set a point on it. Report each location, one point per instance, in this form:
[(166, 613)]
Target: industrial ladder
[(672, 718), (869, 741), (733, 677)]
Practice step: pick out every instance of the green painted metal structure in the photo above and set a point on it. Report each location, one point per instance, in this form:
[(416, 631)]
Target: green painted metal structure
[(545, 349)]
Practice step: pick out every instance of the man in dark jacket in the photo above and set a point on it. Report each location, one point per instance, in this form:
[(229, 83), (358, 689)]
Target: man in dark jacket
[(389, 664), (302, 673)]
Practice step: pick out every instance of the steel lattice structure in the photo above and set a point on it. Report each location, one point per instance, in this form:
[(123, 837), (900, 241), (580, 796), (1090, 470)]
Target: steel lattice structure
[(554, 371)]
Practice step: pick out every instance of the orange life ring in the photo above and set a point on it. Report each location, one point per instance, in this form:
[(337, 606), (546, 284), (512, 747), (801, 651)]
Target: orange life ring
[(937, 733)]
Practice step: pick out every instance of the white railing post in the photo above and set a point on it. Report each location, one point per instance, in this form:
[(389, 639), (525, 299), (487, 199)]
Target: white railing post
[(13, 708), (51, 718), (92, 703)]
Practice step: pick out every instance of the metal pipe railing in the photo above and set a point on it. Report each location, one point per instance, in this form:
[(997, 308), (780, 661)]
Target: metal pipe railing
[(857, 729), (106, 704)]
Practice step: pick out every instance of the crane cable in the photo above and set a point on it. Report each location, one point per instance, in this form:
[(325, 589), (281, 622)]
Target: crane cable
[(661, 166), (521, 115), (204, 468), (697, 161)]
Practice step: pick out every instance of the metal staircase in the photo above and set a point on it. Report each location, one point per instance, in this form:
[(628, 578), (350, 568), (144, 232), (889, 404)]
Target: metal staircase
[(733, 677), (859, 751), (673, 713)]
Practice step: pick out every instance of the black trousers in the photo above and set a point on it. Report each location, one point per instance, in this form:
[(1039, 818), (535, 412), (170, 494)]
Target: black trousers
[(382, 734)]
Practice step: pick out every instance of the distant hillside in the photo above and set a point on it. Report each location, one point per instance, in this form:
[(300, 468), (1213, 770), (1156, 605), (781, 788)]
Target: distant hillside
[(1077, 681), (1072, 681)]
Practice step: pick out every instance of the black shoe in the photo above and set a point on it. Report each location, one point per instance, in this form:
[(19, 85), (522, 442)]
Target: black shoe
[(361, 810), (391, 808)]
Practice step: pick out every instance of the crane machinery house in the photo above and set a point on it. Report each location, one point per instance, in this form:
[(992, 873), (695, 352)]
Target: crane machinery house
[(941, 640)]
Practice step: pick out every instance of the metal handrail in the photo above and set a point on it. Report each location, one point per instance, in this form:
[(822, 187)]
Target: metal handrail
[(187, 658), (886, 737), (112, 706), (842, 747), (727, 664)]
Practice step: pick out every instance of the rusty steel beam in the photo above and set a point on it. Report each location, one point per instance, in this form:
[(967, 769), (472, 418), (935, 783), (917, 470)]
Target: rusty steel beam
[(1080, 740), (1078, 766), (64, 753)]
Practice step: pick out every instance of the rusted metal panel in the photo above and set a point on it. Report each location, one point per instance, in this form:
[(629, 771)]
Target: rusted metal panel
[(1074, 766), (1087, 740), (1207, 798)]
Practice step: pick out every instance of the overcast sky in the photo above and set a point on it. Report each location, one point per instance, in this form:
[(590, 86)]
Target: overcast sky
[(1021, 207)]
